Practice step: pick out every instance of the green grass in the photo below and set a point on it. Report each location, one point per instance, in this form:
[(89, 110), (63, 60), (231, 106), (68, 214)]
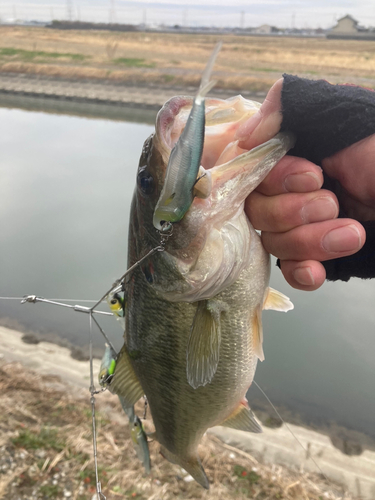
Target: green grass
[(29, 55), (88, 476), (47, 438), (50, 491), (168, 78), (133, 62), (246, 475)]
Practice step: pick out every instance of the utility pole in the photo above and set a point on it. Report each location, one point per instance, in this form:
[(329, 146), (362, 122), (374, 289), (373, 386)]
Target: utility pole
[(185, 17), (69, 9), (144, 17), (242, 20), (112, 12), (293, 20)]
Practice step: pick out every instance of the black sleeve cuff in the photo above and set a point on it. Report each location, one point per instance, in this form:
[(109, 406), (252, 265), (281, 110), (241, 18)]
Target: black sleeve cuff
[(326, 118)]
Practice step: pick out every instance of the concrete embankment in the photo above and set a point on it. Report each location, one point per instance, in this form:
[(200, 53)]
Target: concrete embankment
[(274, 446), (107, 92)]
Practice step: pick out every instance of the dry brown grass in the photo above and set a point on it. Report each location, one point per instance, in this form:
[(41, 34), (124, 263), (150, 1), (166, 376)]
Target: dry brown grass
[(46, 448), (247, 63)]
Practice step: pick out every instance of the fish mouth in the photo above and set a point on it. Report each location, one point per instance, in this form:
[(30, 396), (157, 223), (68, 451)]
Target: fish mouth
[(227, 170), (223, 118), (212, 242)]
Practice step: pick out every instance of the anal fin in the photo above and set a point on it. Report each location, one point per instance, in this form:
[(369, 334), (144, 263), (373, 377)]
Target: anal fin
[(277, 301), (125, 382), (243, 419), (204, 343)]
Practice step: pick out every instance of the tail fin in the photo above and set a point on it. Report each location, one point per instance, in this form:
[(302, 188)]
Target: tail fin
[(206, 85), (192, 465)]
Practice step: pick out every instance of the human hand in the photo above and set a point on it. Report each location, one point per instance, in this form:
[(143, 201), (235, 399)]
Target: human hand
[(298, 219)]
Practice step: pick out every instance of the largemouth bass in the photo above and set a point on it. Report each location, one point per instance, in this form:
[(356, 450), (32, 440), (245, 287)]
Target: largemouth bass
[(193, 327)]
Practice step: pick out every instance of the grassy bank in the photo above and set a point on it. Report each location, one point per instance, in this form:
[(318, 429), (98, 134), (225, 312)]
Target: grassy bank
[(245, 63), (46, 452)]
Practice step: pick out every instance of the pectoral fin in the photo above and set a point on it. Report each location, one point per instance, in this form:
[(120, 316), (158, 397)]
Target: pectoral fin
[(204, 343), (257, 331), (243, 419), (125, 382), (277, 301)]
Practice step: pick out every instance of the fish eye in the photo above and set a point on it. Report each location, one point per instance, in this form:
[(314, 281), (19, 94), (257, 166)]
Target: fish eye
[(145, 182)]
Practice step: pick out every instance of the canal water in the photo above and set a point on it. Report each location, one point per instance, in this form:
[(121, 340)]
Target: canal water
[(66, 182)]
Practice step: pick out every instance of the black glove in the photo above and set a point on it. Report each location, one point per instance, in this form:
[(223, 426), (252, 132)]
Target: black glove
[(325, 119)]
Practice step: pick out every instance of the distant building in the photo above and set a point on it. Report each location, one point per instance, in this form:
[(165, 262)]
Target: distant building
[(345, 26), (265, 29), (348, 28)]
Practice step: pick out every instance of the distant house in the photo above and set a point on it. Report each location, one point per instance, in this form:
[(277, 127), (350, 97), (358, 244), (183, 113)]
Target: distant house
[(265, 29), (348, 28)]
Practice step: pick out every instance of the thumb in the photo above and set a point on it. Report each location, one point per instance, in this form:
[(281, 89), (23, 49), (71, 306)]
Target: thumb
[(266, 122)]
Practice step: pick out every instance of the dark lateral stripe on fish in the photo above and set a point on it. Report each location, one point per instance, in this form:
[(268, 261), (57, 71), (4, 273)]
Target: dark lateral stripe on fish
[(163, 358)]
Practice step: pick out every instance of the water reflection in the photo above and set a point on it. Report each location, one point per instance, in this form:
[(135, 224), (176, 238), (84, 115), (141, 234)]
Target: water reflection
[(65, 188), (66, 185)]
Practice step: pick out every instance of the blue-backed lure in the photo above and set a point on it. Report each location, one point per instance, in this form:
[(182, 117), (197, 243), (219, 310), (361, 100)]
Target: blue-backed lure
[(140, 443), (185, 159), (137, 433), (107, 366)]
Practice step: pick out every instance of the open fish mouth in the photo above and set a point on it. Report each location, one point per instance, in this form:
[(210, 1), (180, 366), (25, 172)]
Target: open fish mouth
[(223, 118), (211, 243), (223, 161), (228, 173)]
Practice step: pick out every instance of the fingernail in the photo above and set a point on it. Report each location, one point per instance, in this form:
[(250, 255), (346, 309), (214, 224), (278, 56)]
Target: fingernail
[(304, 276), (246, 128), (342, 239), (318, 209), (301, 183)]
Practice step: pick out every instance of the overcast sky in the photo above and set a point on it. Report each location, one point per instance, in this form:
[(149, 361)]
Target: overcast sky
[(297, 13)]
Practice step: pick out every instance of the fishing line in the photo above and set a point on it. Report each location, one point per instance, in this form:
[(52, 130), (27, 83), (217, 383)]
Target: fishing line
[(33, 299), (292, 433), (104, 334), (165, 233), (93, 391), (58, 300)]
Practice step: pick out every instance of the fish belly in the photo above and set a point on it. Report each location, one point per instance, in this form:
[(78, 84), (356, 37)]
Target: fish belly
[(157, 339)]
